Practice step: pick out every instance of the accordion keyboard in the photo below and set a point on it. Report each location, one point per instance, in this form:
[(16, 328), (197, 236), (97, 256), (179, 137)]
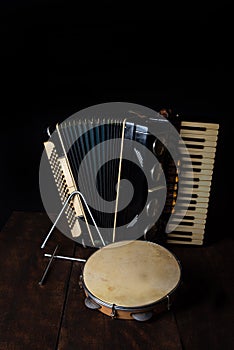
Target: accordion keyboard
[(201, 141)]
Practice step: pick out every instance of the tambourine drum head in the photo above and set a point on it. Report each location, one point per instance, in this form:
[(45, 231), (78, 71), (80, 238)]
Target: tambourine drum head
[(131, 273)]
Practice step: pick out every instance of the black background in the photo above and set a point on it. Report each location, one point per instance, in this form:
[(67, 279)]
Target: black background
[(57, 58)]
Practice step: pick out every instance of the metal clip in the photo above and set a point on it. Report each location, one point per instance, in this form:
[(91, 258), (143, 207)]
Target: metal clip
[(113, 312), (80, 282), (168, 303)]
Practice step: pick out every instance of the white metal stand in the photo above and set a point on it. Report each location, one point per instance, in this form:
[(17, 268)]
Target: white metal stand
[(53, 255)]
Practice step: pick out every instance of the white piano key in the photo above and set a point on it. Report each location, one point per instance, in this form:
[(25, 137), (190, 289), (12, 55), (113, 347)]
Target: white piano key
[(197, 205), (196, 210), (194, 131), (192, 235), (201, 191), (202, 160), (187, 181), (208, 152), (186, 229), (199, 144), (194, 221), (189, 241), (185, 176), (191, 213), (199, 172), (208, 126), (196, 198), (208, 135), (201, 165)]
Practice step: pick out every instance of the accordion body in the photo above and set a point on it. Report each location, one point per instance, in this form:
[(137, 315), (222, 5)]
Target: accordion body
[(88, 155)]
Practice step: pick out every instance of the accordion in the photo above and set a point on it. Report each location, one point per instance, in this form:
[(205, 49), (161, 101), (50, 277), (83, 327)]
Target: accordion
[(128, 193)]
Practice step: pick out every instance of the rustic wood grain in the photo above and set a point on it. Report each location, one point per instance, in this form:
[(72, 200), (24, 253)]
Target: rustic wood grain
[(205, 307), (30, 314), (54, 316)]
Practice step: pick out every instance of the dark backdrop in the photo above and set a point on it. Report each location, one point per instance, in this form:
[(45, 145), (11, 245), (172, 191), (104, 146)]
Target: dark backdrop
[(57, 58)]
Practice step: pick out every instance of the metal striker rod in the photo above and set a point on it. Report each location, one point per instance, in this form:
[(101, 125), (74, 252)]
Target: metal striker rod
[(48, 266), (65, 257), (62, 210)]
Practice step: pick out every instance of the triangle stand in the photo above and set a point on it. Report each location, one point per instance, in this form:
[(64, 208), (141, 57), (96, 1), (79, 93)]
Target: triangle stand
[(53, 255)]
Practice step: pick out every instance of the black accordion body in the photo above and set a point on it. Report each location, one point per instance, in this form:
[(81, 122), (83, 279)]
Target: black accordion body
[(94, 148)]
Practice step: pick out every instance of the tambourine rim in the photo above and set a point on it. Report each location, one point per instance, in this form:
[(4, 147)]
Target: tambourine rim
[(132, 308), (128, 308)]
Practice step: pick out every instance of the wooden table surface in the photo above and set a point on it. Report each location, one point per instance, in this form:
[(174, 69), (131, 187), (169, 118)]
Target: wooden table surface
[(54, 316)]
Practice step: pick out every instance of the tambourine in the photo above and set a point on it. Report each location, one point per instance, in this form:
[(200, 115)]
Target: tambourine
[(130, 279)]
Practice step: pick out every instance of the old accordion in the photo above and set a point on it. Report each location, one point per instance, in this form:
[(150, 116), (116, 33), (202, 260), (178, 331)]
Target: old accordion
[(108, 161)]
